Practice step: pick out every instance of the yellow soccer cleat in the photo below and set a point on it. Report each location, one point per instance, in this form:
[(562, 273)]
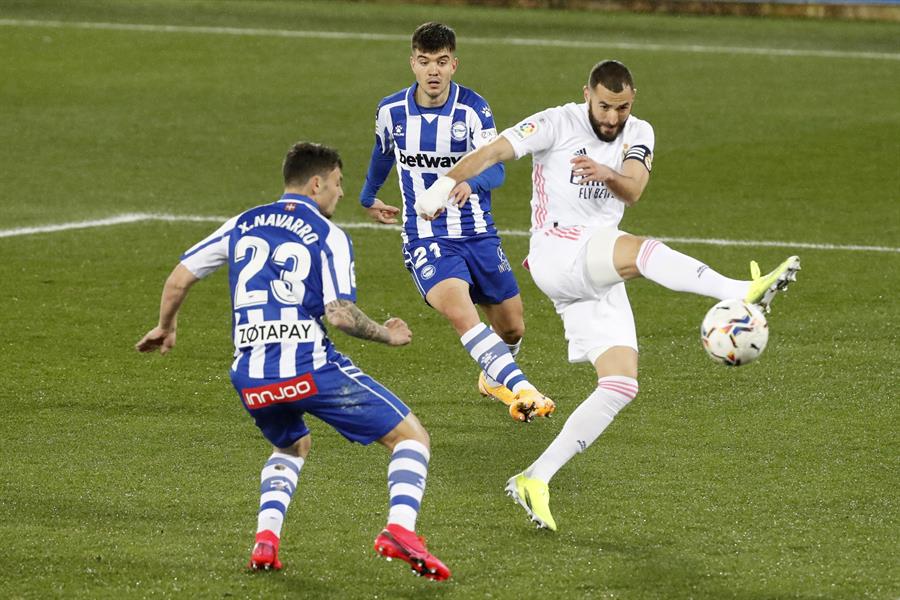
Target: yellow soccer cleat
[(763, 288), (529, 404), (499, 392), (534, 496)]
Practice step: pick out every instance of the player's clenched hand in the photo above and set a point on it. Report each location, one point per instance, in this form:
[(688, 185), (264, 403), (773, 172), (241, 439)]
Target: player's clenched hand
[(590, 170), (157, 337), (383, 213), (460, 194), (399, 333)]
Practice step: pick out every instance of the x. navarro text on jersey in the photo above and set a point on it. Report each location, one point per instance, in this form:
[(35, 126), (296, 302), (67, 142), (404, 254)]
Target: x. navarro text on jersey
[(295, 224)]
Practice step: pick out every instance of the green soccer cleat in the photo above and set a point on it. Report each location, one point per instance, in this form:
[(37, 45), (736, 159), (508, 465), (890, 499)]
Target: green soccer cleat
[(534, 496), (763, 289)]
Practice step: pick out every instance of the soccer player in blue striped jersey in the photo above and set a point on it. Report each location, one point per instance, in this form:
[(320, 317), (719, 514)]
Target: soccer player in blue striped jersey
[(289, 267), (456, 260)]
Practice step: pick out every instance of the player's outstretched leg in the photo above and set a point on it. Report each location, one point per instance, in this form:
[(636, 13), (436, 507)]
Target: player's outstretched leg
[(763, 288), (407, 473), (682, 273), (278, 481)]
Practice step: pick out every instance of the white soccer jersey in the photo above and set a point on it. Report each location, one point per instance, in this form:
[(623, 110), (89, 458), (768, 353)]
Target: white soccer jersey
[(556, 135), (426, 146)]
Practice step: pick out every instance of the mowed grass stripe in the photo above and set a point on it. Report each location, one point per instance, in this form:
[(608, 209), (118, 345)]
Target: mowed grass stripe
[(139, 217), (513, 41)]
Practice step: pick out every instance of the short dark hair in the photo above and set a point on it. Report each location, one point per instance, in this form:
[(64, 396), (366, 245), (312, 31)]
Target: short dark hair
[(306, 159), (612, 74), (433, 37)]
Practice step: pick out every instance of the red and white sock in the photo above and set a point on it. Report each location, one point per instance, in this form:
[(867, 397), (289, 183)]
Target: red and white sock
[(585, 424), (682, 273)]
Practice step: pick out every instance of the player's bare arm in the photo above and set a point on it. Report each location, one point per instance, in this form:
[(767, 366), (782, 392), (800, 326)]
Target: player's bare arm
[(162, 336), (383, 213), (627, 185), (350, 319), (430, 204), (475, 163)]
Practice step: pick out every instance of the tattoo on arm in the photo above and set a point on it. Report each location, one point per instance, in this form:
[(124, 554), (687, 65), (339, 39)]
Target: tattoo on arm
[(347, 317)]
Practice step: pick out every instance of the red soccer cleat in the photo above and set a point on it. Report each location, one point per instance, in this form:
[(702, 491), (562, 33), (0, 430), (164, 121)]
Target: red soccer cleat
[(395, 541), (265, 552)]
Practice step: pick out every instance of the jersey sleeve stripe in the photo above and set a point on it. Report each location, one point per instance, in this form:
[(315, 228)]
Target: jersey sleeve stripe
[(203, 245), (329, 289), (216, 236), (340, 257)]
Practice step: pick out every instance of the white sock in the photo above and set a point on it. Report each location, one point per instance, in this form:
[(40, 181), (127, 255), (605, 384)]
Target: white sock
[(514, 351), (681, 273), (493, 356), (407, 473), (278, 481), (585, 424)]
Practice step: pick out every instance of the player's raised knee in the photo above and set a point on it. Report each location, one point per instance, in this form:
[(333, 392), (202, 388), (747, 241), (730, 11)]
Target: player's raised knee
[(626, 254)]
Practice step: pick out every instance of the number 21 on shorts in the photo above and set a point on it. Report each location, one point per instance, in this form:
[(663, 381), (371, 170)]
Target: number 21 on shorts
[(420, 254)]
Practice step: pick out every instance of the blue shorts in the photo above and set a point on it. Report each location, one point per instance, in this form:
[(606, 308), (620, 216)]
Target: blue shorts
[(355, 405), (477, 260)]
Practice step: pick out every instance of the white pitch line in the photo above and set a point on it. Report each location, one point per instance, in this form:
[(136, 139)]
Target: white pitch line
[(513, 41), (115, 220), (143, 217)]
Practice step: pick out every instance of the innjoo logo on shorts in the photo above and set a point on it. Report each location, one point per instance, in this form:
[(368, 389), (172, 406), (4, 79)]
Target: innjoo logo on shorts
[(278, 393)]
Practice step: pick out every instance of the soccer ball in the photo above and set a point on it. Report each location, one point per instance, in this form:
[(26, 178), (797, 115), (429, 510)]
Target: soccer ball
[(734, 333)]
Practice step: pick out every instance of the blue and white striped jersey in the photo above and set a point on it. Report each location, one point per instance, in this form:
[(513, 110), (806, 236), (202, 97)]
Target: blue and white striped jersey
[(286, 261), (426, 144)]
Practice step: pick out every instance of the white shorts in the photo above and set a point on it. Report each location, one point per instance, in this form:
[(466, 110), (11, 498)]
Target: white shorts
[(596, 318)]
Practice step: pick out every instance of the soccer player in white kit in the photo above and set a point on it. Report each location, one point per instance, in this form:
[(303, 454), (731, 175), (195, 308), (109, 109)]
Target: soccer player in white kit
[(591, 161)]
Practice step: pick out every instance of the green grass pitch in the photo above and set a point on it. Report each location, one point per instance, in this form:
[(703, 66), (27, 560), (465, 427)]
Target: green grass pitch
[(132, 476)]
